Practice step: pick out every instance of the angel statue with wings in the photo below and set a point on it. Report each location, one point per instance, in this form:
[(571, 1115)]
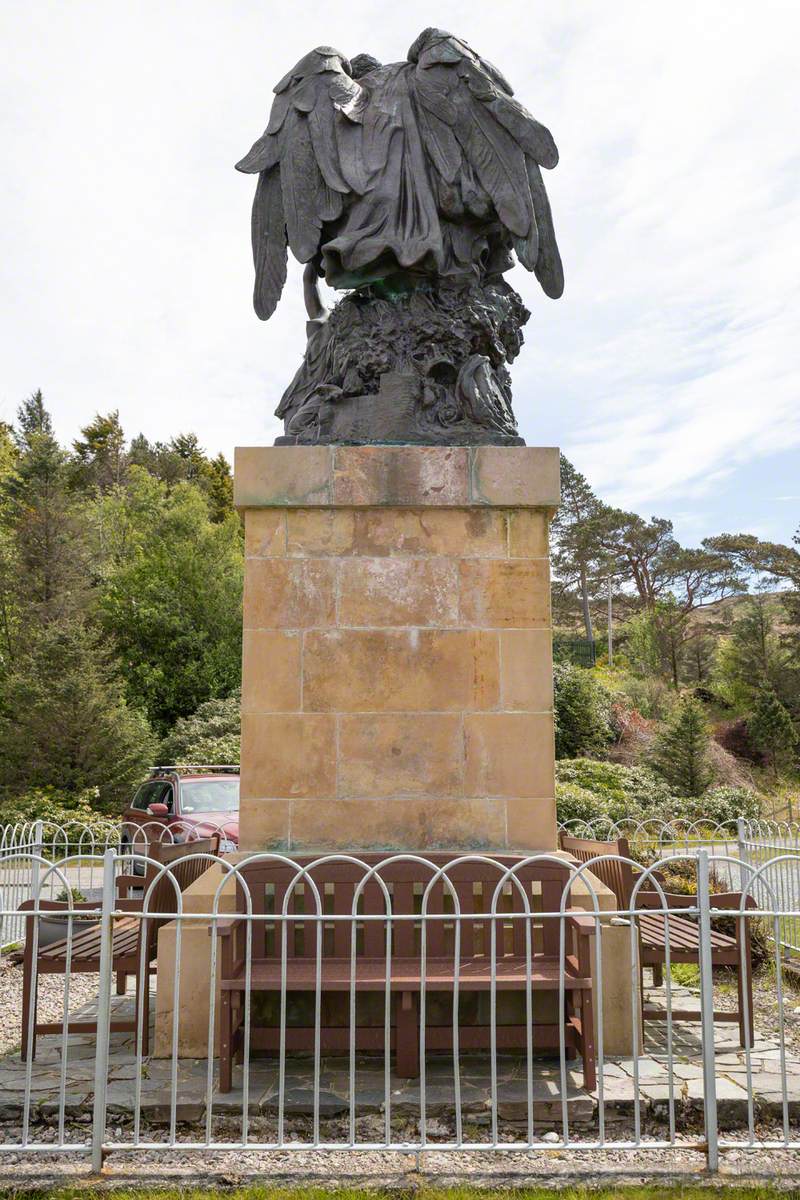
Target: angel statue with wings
[(410, 187)]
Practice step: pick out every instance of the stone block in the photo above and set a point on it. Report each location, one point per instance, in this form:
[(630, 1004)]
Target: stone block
[(274, 476), (512, 594), (453, 532), (526, 670), (393, 670), (512, 476), (264, 533), (370, 824), (509, 754), (271, 674), (528, 533), (316, 532), (287, 755), (289, 593), (401, 754), (531, 823), (400, 475), (378, 592), (266, 823)]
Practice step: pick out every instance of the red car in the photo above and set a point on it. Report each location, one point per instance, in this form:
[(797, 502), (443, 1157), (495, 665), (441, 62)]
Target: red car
[(188, 802)]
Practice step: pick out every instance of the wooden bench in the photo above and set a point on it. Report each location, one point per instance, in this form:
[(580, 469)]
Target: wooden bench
[(684, 933), (271, 884), (130, 939)]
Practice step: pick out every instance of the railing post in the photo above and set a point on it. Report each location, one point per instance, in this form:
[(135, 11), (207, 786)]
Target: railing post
[(707, 1012), (741, 850), (103, 1011), (37, 852)]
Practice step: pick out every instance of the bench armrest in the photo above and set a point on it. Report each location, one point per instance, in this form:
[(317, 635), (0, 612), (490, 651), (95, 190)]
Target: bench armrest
[(654, 902), (130, 881), (582, 922), (59, 907)]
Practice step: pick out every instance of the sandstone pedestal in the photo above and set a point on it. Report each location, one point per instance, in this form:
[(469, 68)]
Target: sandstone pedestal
[(397, 673)]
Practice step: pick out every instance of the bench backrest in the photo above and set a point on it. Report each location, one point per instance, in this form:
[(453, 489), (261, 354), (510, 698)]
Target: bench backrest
[(617, 876), (183, 867), (270, 884)]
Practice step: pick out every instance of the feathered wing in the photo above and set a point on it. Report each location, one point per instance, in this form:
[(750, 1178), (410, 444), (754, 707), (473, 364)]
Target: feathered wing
[(268, 226), (472, 126), (300, 181)]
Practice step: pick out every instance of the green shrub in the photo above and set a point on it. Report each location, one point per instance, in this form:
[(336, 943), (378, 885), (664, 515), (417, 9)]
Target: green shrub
[(54, 807), (576, 803), (648, 694), (211, 735), (582, 707), (622, 793), (725, 803)]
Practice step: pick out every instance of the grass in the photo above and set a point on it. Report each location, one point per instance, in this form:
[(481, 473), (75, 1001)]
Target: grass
[(685, 974)]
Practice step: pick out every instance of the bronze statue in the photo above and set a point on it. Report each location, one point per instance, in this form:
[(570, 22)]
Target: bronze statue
[(408, 186)]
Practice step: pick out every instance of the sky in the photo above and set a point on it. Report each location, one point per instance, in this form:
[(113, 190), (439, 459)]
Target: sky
[(668, 372)]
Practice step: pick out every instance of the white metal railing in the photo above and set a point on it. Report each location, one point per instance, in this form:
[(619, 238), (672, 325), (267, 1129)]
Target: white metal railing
[(307, 924), (25, 844), (655, 836), (777, 843)]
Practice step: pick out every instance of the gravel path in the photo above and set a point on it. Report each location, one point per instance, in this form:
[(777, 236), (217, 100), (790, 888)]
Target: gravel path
[(374, 1169), (82, 990)]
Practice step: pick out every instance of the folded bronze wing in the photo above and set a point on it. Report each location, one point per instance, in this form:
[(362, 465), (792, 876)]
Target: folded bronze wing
[(300, 185), (424, 166)]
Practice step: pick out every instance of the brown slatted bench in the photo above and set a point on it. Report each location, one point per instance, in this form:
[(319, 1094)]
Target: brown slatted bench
[(127, 946), (269, 882), (684, 933)]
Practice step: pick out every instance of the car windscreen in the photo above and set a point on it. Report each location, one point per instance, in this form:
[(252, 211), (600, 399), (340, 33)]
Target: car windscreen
[(210, 795)]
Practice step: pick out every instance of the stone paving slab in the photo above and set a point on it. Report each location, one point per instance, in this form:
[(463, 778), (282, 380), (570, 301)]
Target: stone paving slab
[(619, 1085)]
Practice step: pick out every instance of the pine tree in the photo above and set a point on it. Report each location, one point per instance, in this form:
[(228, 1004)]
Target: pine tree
[(681, 749), (64, 722), (772, 730), (99, 461), (43, 519), (580, 563)]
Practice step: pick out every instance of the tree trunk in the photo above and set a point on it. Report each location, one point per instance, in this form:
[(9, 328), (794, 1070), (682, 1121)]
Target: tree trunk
[(587, 614)]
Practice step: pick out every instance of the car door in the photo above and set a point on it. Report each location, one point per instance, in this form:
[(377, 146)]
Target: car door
[(136, 814)]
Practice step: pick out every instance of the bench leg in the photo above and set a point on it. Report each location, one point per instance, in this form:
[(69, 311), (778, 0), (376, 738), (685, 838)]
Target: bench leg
[(745, 988), (407, 1039), (122, 983), (143, 1006), (658, 975), (225, 1042), (587, 1041), (29, 997)]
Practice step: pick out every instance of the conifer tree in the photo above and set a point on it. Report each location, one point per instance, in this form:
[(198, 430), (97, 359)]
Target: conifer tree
[(772, 730), (681, 749)]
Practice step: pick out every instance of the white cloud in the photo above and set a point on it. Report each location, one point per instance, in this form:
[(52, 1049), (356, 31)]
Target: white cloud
[(672, 359)]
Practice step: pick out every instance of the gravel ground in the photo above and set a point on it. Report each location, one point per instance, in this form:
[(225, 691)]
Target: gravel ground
[(82, 990), (377, 1169), (765, 1004)]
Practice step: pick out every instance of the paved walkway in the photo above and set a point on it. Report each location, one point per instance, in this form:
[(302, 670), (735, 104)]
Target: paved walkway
[(405, 1099)]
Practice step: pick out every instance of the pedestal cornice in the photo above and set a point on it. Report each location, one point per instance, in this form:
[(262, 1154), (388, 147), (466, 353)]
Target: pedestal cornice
[(396, 477)]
